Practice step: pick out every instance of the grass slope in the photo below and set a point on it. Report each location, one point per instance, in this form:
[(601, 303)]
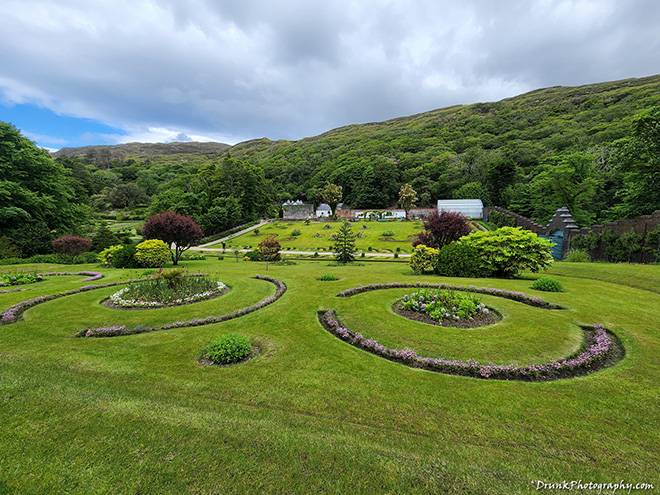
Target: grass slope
[(312, 414), (316, 237)]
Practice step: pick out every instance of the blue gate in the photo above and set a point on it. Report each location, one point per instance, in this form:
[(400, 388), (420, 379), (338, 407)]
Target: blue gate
[(557, 237)]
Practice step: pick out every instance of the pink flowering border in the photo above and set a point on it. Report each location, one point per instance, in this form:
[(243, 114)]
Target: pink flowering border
[(115, 330), (506, 294), (601, 349), (14, 313)]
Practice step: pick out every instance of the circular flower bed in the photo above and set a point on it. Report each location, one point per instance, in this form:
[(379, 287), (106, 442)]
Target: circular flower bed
[(446, 308), (228, 349), (166, 289)]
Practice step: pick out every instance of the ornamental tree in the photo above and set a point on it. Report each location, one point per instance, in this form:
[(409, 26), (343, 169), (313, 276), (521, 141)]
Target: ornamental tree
[(178, 231), (71, 245), (270, 248), (407, 198), (442, 228), (345, 244), (332, 194)]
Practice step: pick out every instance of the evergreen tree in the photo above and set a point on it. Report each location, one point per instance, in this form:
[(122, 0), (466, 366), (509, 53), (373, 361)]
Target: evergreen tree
[(345, 244)]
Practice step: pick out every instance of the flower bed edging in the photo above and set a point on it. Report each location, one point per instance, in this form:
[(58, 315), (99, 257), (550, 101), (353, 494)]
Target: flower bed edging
[(13, 313), (114, 330), (489, 291), (91, 276), (602, 348)]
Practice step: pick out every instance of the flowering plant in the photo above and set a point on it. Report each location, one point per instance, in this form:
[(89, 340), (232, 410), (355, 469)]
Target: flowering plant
[(444, 304)]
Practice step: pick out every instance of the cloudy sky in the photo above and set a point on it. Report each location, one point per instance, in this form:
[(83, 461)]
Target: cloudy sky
[(75, 72)]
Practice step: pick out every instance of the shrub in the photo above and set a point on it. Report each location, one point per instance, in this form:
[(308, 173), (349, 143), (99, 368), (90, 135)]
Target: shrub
[(7, 248), (124, 257), (501, 220), (192, 256), (577, 256), (388, 233), (507, 251), (458, 260), (152, 253), (105, 256), (327, 226), (423, 259), (228, 349), (269, 248), (71, 245), (547, 284), (442, 228), (625, 247), (104, 238), (295, 232), (252, 256), (327, 277)]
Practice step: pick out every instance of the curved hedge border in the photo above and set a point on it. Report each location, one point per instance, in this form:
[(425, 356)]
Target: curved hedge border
[(506, 294), (13, 313), (601, 349), (114, 330)]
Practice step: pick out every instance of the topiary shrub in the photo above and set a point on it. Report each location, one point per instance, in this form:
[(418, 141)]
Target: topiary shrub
[(507, 251), (423, 259), (105, 256), (295, 232), (152, 253), (71, 245), (459, 260), (228, 349), (577, 256), (547, 284), (327, 277)]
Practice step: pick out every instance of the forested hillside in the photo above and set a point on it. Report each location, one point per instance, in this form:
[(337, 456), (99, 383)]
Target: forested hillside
[(593, 148), (532, 153)]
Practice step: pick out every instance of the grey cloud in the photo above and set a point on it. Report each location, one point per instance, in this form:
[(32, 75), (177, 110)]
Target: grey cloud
[(288, 69)]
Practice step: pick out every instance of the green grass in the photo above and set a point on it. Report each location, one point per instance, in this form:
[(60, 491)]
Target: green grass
[(631, 274), (311, 414), (314, 237)]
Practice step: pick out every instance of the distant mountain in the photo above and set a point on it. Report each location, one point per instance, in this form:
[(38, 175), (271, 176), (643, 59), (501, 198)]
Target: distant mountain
[(105, 153)]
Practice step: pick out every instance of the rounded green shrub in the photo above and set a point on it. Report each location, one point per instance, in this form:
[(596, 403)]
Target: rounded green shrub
[(327, 277), (458, 260), (152, 253), (228, 349), (124, 257), (547, 284), (423, 259), (105, 256)]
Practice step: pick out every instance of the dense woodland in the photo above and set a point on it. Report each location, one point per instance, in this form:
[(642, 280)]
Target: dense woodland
[(594, 148)]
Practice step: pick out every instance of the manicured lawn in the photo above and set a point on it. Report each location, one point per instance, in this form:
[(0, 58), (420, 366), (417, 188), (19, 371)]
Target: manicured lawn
[(317, 236), (312, 414), (632, 274), (126, 225)]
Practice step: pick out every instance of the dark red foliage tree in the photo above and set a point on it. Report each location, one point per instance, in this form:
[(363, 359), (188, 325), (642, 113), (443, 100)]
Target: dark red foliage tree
[(178, 231), (71, 245), (270, 248), (442, 228)]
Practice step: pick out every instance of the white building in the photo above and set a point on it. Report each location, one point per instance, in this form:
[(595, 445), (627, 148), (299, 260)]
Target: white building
[(471, 208), (323, 211), (379, 214)]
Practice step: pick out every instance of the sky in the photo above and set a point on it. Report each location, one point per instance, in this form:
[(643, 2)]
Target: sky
[(81, 72)]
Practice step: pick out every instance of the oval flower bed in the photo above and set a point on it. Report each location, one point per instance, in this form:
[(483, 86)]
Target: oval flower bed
[(446, 308), (19, 278), (165, 290), (600, 349), (116, 330)]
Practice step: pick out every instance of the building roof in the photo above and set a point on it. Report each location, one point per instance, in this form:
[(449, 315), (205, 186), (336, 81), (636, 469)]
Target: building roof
[(323, 207), (460, 202)]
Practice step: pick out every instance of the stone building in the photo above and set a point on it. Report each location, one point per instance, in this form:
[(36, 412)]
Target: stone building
[(297, 210)]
